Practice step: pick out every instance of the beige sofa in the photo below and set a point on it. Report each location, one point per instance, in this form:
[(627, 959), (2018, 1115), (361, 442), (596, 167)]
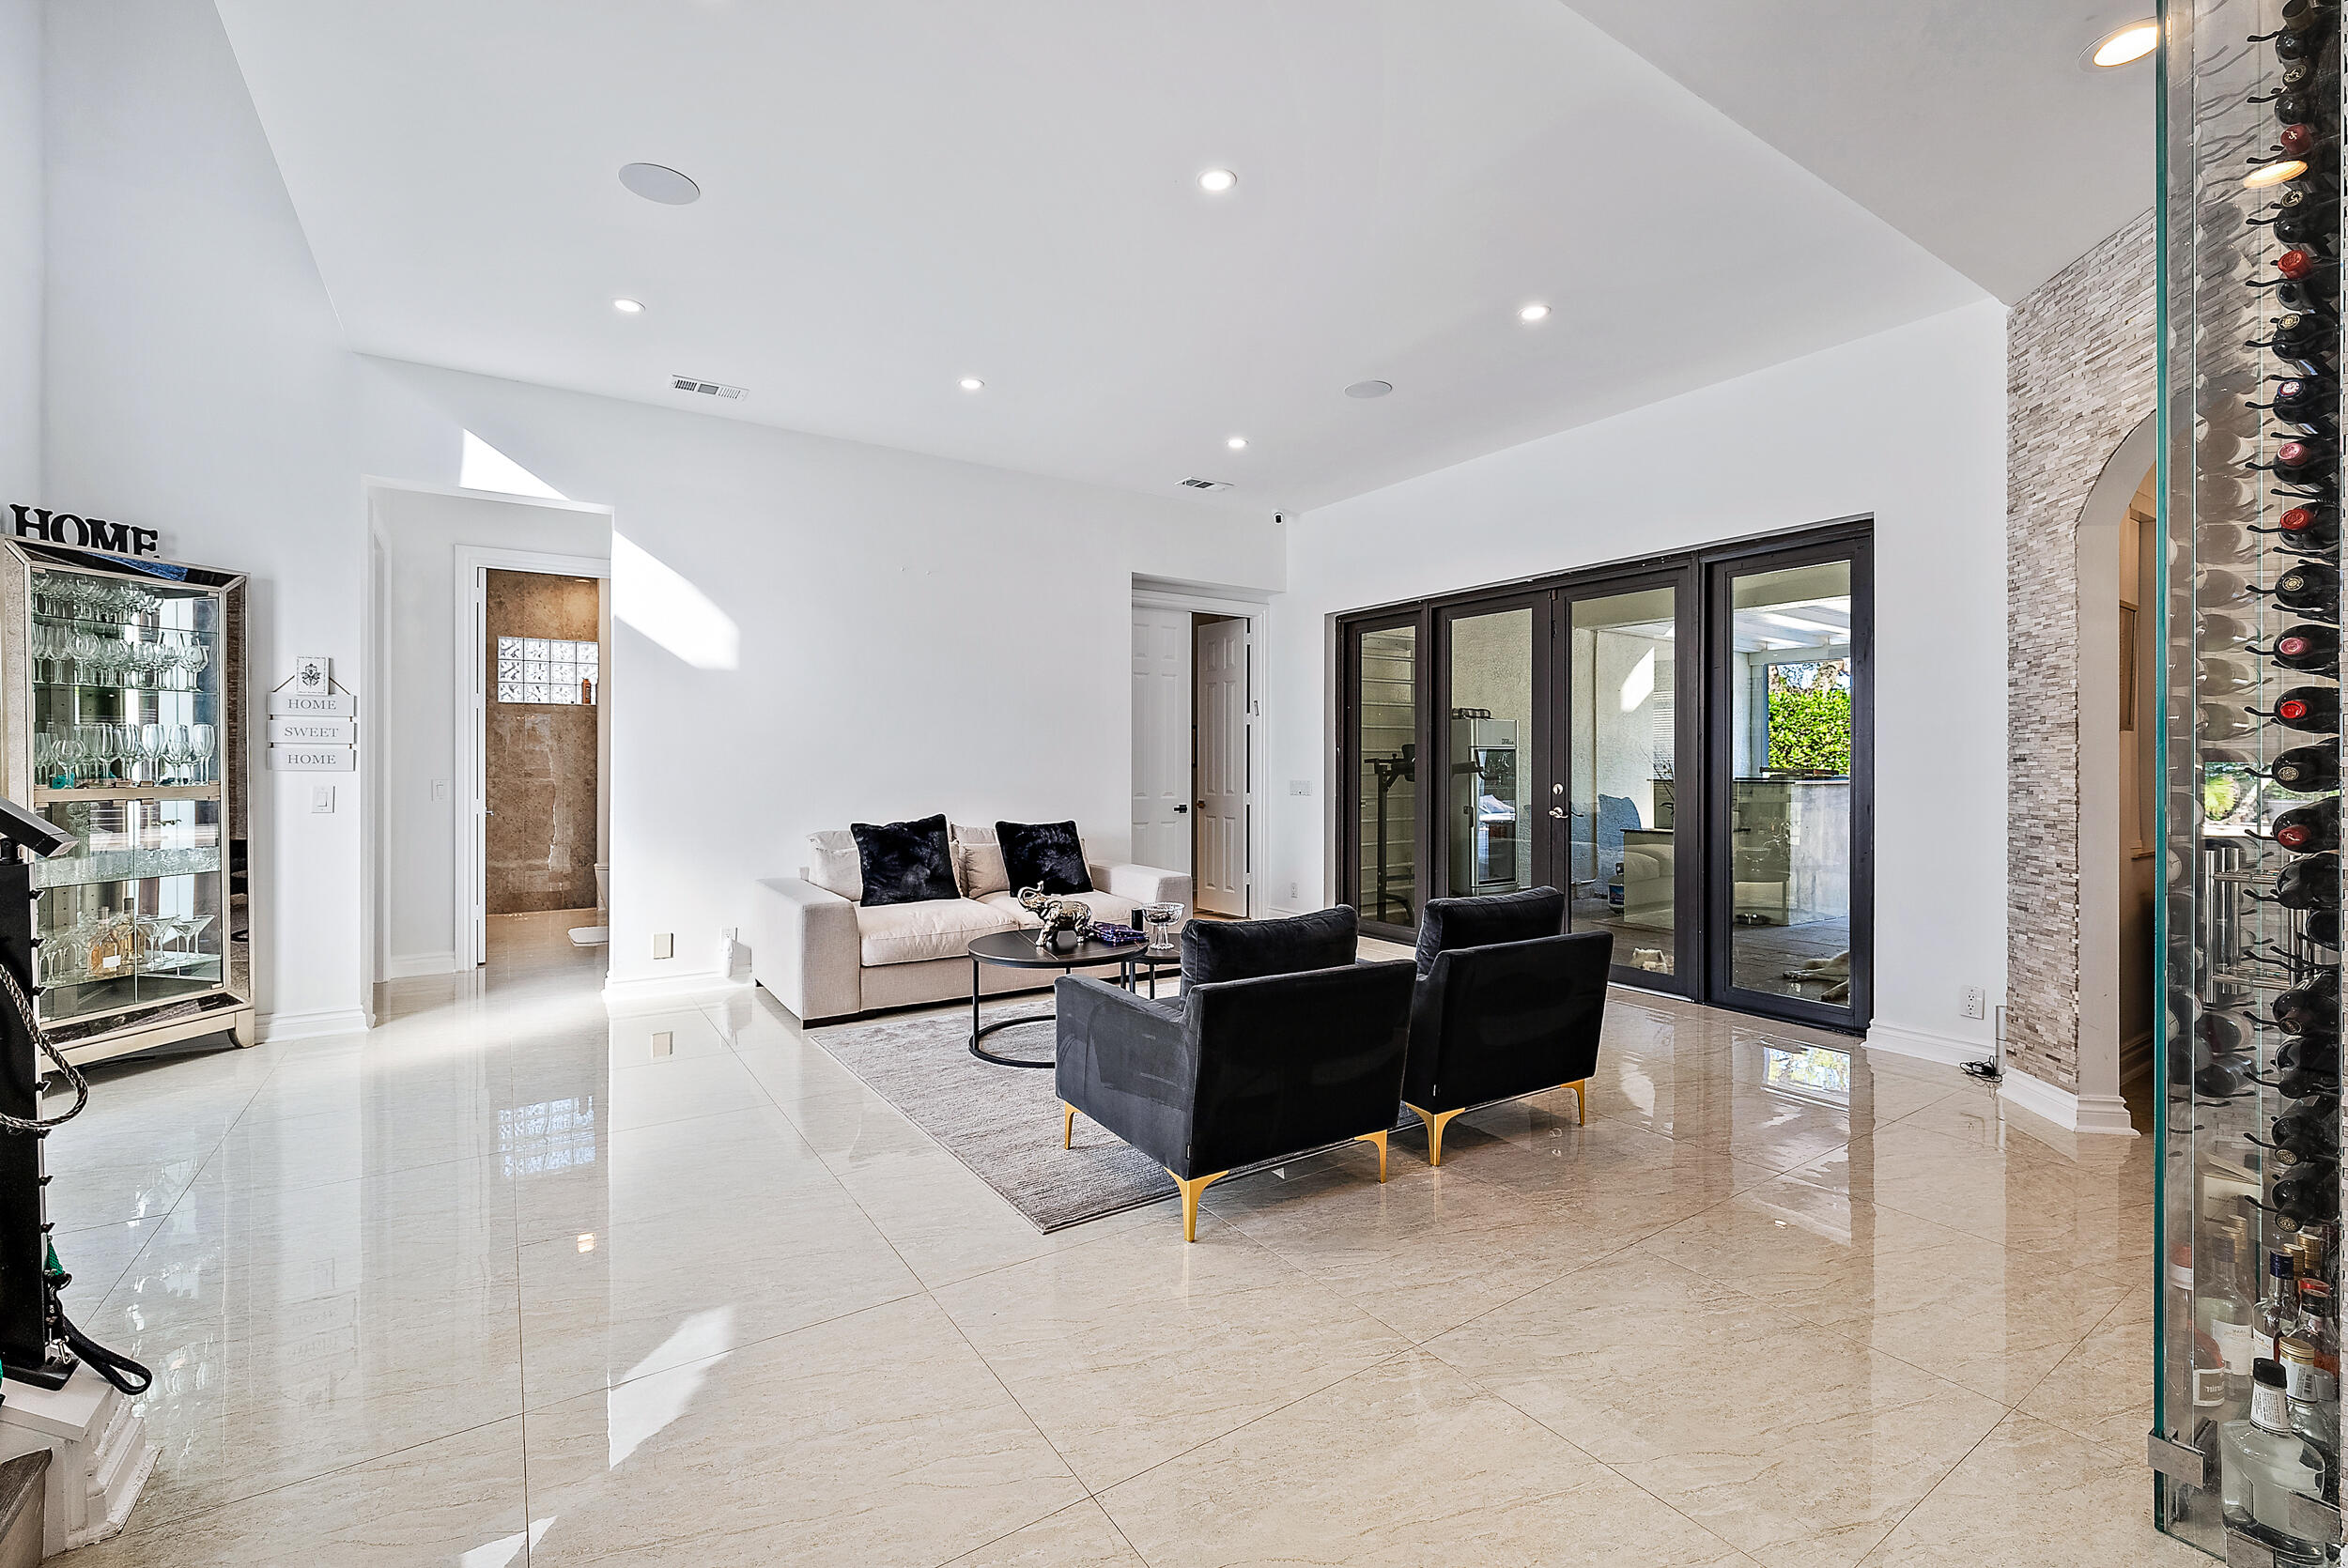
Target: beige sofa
[(826, 956)]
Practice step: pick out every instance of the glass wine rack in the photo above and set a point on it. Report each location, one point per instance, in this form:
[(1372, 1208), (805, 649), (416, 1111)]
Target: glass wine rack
[(2246, 1414), (121, 688)]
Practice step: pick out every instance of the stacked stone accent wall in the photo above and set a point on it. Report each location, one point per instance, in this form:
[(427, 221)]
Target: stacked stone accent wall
[(2079, 377)]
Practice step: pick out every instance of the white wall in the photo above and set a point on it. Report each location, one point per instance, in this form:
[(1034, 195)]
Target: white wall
[(196, 383), (917, 634), (1908, 426), (21, 222), (416, 735)]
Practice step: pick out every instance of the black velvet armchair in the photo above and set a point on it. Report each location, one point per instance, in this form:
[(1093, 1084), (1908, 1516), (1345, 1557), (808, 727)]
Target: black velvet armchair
[(1280, 1044), (1516, 1013)]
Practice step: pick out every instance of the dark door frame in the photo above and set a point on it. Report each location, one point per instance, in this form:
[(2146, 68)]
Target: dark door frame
[(1701, 946)]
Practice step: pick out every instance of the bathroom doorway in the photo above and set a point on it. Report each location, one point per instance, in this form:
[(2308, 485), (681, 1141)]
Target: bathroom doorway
[(543, 752)]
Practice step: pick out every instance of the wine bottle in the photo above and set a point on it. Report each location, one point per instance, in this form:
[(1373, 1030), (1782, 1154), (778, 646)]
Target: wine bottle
[(2300, 15), (2308, 1202), (2298, 140), (2315, 296), (2306, 1134), (2307, 399), (2314, 709), (2323, 928), (2312, 76), (2306, 225), (2313, 828), (2309, 884), (2318, 1054), (2312, 1007), (2310, 588), (2310, 648), (2307, 1083), (2216, 1081), (2222, 1034), (2307, 44), (2307, 769)]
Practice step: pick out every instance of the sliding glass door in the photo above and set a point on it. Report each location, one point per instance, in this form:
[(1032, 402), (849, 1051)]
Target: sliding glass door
[(1683, 745), (1791, 754)]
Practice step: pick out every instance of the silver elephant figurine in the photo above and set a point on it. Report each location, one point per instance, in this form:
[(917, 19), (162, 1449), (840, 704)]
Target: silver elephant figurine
[(1072, 918)]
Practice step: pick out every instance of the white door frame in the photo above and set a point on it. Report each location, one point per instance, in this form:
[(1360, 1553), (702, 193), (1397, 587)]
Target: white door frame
[(1257, 614), (471, 582)]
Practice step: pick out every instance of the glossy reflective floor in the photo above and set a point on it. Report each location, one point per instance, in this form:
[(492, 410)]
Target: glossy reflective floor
[(512, 1281)]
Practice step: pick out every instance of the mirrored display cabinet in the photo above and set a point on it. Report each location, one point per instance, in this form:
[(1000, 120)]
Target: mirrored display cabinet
[(122, 682), (2247, 1418)]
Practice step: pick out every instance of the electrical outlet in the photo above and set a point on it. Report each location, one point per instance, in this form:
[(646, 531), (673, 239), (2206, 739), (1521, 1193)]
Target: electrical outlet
[(1299, 785), (731, 933), (1291, 892), (1976, 1001), (321, 797), (664, 1042), (664, 945)]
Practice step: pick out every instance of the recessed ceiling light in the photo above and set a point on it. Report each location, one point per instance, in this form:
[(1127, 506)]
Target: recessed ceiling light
[(971, 384), (1216, 181), (2124, 46), (628, 307), (1236, 442), (1369, 389), (1533, 313), (658, 183), (2273, 173)]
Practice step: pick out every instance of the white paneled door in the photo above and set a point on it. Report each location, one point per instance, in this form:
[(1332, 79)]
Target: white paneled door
[(1162, 737), (1224, 765)]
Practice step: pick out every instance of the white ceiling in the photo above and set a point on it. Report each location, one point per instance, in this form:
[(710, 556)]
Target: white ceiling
[(1968, 124), (902, 192)]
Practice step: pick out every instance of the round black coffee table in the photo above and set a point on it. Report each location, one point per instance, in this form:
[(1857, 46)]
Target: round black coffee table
[(1018, 950)]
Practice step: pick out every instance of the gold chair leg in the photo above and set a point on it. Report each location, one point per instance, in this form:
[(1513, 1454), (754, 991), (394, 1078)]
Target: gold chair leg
[(1380, 1140), (1067, 1126), (1192, 1187), (1436, 1121), (1582, 1102)]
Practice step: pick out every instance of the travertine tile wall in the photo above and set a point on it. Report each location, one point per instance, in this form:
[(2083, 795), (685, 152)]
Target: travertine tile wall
[(540, 760), (2079, 377)]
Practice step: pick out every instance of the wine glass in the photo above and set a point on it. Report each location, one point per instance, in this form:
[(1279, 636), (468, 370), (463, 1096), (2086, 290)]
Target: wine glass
[(1161, 919), (201, 738), (154, 744)]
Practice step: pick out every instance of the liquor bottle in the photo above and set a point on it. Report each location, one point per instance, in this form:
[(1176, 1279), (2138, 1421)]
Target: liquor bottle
[(2310, 648), (2312, 709), (2308, 768), (2220, 1310), (2278, 1309), (2309, 884), (2316, 1324), (2308, 588), (2264, 1462), (2313, 828)]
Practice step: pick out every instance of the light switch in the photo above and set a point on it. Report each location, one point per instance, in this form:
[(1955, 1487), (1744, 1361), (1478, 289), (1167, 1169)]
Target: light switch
[(321, 797), (664, 945), (439, 788)]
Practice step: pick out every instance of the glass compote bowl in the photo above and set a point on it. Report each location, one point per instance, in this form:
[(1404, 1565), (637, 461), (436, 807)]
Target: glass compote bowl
[(1161, 920)]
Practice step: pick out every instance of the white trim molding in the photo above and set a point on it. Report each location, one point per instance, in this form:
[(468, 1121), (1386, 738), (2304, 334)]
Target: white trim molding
[(406, 966), (2095, 1113), (623, 994), (1898, 1039), (317, 1024)]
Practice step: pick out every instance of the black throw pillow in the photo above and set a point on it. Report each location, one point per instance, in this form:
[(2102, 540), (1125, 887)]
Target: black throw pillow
[(1450, 923), (1044, 854), (1245, 949), (905, 863)]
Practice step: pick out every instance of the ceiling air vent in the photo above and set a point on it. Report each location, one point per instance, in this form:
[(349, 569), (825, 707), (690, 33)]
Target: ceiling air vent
[(1205, 484), (708, 389)]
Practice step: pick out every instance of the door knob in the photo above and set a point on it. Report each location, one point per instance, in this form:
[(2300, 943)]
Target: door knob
[(1557, 811), (1180, 809)]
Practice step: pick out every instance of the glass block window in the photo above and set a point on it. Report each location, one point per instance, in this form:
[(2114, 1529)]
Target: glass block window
[(548, 670)]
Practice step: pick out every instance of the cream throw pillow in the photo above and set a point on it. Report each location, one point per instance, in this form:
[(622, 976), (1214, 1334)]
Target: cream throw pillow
[(979, 862), (834, 865)]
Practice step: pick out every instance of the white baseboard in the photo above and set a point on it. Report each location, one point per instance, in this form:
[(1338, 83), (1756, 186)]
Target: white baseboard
[(1924, 1045), (663, 988), (2096, 1113), (311, 1025), (402, 967)]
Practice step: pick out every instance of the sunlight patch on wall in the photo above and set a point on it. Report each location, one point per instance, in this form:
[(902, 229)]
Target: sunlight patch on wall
[(655, 600), (485, 468)]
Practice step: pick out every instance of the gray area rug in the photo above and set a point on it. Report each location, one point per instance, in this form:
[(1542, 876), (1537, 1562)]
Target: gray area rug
[(1001, 1122)]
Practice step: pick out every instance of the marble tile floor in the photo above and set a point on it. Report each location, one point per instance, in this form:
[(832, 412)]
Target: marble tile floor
[(516, 1278)]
